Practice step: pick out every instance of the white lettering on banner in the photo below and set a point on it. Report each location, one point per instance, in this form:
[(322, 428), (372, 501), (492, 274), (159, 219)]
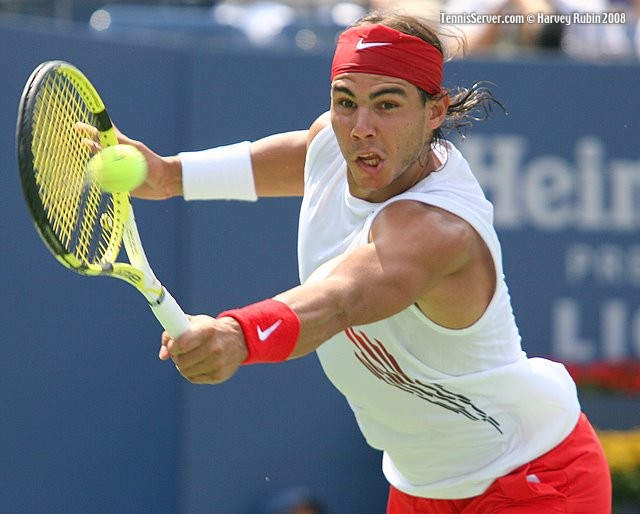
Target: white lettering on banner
[(604, 264), (618, 337), (585, 192), (551, 192), (565, 329)]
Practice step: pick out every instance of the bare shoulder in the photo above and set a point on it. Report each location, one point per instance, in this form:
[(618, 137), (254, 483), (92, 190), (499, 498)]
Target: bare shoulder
[(451, 261), (430, 230), (321, 122)]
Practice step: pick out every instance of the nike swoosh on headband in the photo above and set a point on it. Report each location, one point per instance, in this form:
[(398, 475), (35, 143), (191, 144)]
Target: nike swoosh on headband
[(362, 45)]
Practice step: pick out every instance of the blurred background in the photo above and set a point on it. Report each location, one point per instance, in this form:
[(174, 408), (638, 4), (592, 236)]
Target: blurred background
[(92, 421)]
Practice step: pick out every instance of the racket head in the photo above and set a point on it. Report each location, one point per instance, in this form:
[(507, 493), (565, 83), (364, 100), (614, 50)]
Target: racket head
[(61, 123)]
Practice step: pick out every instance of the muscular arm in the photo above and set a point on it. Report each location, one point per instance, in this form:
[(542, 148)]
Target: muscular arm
[(414, 252), (417, 254), (278, 165), (278, 161)]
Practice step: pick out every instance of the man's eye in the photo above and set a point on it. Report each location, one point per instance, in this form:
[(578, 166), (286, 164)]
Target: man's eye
[(388, 105), (347, 104)]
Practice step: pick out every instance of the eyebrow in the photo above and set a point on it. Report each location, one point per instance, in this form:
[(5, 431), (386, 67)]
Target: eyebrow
[(374, 95)]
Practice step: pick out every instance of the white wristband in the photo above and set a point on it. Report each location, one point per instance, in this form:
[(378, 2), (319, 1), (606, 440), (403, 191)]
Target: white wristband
[(221, 173)]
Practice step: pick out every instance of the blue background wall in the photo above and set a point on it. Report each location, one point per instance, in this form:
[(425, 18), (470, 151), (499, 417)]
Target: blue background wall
[(93, 421)]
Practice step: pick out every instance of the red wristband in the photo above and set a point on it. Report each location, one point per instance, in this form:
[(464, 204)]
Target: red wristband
[(270, 328)]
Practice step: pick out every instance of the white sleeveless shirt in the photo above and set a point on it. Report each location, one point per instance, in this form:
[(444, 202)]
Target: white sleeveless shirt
[(451, 409)]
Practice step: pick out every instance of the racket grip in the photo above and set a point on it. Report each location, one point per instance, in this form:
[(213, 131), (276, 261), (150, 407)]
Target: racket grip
[(170, 315)]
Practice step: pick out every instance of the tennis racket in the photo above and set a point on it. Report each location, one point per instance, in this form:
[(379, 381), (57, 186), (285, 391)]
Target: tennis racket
[(61, 123)]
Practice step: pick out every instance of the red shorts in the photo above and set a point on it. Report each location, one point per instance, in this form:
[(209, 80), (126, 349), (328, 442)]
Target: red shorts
[(573, 478)]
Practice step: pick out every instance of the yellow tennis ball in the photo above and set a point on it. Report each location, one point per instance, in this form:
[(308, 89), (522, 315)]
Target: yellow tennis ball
[(118, 168)]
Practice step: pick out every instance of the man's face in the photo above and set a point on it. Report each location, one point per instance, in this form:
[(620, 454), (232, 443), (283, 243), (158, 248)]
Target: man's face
[(383, 129)]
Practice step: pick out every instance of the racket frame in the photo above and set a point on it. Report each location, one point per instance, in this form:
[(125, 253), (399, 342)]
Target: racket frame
[(138, 272)]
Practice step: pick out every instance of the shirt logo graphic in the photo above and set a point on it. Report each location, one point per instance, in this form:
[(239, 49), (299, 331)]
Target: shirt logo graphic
[(376, 358), (362, 45)]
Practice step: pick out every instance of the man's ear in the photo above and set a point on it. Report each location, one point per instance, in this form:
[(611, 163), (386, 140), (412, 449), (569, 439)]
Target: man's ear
[(437, 111)]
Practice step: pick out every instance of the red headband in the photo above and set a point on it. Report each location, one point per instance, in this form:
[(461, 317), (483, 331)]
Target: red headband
[(381, 50)]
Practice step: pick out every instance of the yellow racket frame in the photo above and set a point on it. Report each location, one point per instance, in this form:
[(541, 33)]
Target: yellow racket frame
[(71, 212), (62, 122)]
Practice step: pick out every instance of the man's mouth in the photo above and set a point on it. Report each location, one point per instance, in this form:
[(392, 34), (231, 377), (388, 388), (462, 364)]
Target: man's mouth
[(369, 162), (369, 159)]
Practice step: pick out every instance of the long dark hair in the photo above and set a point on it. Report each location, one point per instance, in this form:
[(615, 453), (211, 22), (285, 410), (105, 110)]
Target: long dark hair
[(466, 104)]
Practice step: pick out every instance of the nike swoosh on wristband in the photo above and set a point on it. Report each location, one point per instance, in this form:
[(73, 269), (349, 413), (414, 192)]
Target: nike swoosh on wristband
[(263, 335), (362, 45)]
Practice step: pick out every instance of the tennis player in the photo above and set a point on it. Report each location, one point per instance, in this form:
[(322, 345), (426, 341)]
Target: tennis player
[(402, 292)]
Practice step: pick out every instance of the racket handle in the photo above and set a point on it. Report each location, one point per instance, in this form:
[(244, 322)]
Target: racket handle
[(170, 315)]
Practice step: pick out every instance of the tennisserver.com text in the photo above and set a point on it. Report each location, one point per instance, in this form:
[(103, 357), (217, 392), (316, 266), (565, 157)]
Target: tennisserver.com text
[(578, 18)]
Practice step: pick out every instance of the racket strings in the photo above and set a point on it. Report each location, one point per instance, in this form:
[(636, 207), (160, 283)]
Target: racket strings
[(81, 215), (51, 158)]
